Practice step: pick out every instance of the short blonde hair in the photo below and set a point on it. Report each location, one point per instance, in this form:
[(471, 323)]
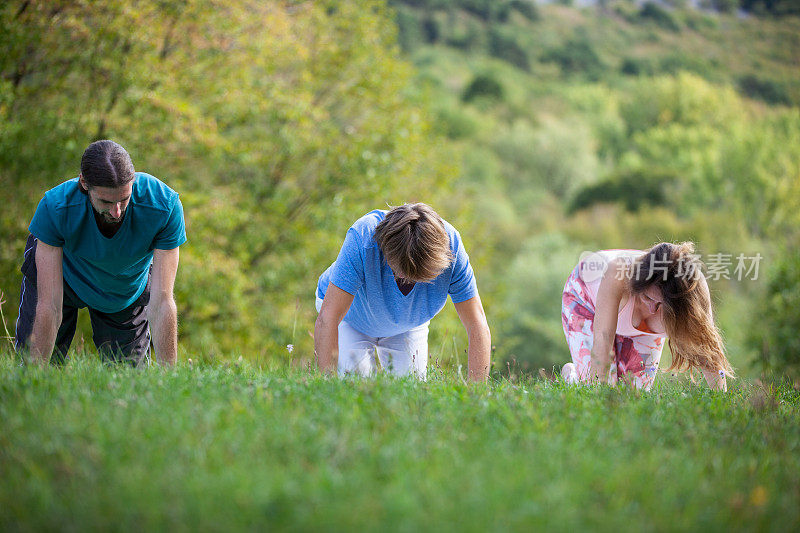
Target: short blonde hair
[(414, 242)]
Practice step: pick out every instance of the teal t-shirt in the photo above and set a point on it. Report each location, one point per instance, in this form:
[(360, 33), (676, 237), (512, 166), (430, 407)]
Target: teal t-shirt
[(109, 274)]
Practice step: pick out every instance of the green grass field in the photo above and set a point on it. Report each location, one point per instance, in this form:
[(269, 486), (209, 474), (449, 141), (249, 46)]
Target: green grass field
[(230, 447)]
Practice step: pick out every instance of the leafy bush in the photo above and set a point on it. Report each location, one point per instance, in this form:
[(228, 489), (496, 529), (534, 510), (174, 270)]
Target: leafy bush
[(576, 57), (598, 107), (681, 62), (772, 7), (725, 6), (661, 17), (776, 338), (467, 37), (685, 98), (699, 21), (431, 30), (483, 86), (410, 34), (526, 8), (455, 122), (634, 190), (557, 157), (637, 66), (487, 10), (506, 48), (768, 91)]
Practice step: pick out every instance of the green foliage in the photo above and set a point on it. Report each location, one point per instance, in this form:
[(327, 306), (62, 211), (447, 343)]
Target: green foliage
[(683, 99), (526, 8), (455, 122), (725, 6), (485, 9), (483, 86), (677, 62), (708, 165), (506, 48), (557, 157), (532, 337), (431, 30), (652, 12), (410, 31), (777, 340), (278, 134), (576, 57), (635, 66), (634, 190), (768, 91), (672, 63), (778, 8), (701, 22), (468, 36)]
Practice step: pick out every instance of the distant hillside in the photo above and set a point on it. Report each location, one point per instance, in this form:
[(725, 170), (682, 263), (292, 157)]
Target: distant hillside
[(760, 56)]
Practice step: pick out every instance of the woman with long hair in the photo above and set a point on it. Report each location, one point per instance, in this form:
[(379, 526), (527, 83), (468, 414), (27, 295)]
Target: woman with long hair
[(619, 306)]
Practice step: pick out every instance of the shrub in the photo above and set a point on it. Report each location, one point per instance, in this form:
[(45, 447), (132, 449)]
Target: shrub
[(685, 98), (409, 33), (507, 49), (430, 30), (661, 17), (576, 56), (558, 156), (776, 337), (725, 6), (483, 86), (635, 66), (634, 190), (455, 123), (526, 8), (487, 10), (699, 21), (466, 38), (767, 91), (771, 7), (680, 61)]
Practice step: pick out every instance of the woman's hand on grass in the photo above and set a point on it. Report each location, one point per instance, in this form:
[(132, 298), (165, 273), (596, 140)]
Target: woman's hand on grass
[(599, 369)]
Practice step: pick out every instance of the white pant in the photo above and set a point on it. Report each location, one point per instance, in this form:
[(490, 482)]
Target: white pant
[(402, 354)]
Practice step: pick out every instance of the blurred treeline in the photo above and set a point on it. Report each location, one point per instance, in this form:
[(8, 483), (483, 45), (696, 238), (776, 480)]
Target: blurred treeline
[(538, 131)]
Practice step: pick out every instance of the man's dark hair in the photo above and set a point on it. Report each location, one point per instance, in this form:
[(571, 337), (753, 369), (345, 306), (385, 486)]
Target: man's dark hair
[(106, 164)]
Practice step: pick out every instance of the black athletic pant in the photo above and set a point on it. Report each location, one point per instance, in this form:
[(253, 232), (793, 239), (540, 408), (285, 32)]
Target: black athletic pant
[(120, 336)]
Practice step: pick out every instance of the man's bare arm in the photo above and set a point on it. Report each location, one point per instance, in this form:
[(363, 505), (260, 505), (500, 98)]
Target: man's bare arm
[(162, 313), (49, 301)]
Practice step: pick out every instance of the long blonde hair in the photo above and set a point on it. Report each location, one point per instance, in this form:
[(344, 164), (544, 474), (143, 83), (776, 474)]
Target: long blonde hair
[(694, 339)]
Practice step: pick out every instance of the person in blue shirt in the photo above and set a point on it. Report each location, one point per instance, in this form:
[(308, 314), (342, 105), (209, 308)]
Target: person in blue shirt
[(107, 240), (393, 274)]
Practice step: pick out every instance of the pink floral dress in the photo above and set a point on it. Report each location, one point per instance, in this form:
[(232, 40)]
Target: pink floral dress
[(636, 352)]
